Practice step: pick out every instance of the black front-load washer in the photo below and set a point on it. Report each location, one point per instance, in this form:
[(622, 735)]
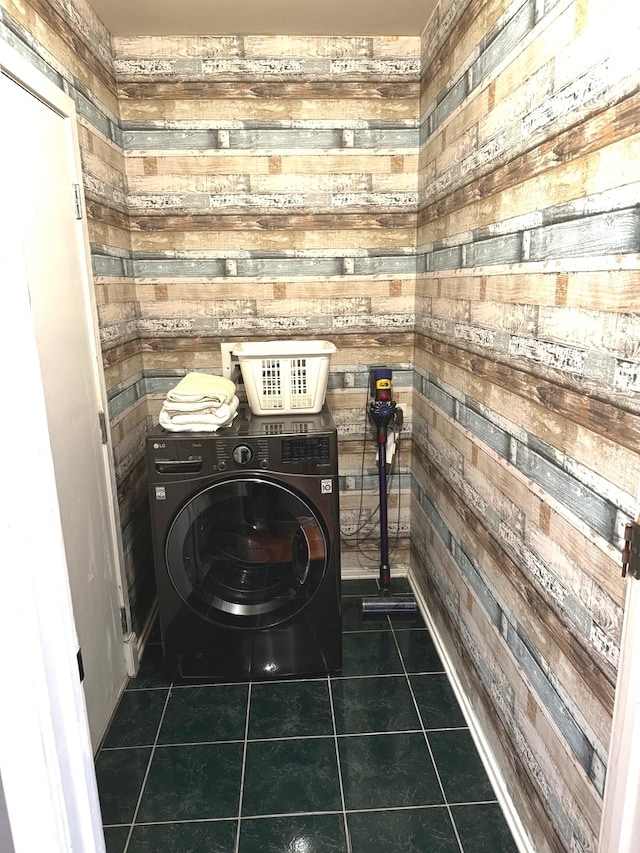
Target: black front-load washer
[(245, 525)]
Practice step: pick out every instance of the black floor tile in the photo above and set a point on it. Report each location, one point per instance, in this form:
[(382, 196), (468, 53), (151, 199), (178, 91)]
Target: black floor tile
[(291, 776), (192, 783), (359, 587), (398, 585), (119, 774), (378, 704), (418, 651), (463, 776), (370, 653), (290, 709), (407, 621), (137, 718), (482, 827), (425, 830), (387, 771), (204, 714), (115, 838), (437, 703), (323, 833), (152, 671), (353, 619), (370, 586), (189, 837), (286, 778)]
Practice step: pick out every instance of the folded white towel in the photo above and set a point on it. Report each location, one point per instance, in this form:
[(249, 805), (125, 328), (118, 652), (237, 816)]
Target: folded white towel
[(199, 422), (222, 414), (201, 387), (205, 407)]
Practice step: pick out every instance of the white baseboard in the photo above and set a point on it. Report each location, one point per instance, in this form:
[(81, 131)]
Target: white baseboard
[(487, 757), (132, 652), (140, 641), (357, 573)]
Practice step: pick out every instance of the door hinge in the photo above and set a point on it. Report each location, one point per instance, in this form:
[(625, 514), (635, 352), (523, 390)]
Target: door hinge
[(103, 427), (77, 195), (80, 665), (631, 551)]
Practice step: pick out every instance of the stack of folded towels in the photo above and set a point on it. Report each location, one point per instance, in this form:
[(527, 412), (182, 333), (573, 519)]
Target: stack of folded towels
[(200, 402)]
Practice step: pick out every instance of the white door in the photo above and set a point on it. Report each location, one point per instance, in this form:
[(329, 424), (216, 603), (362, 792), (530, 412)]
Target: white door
[(620, 827), (40, 164)]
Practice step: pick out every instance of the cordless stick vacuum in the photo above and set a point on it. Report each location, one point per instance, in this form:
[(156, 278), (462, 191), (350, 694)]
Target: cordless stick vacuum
[(383, 412)]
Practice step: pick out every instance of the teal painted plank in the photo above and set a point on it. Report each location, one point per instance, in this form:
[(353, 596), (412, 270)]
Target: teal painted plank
[(504, 41), (612, 233)]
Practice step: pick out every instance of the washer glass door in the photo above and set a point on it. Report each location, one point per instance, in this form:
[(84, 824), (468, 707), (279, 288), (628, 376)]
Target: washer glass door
[(246, 552)]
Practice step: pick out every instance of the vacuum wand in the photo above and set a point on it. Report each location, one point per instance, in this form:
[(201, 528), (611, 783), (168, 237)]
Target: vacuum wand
[(383, 413)]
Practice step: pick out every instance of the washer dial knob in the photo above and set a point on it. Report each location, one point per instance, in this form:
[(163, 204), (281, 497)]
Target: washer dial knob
[(242, 454)]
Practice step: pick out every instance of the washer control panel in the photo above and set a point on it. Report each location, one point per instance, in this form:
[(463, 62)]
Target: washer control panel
[(286, 444)]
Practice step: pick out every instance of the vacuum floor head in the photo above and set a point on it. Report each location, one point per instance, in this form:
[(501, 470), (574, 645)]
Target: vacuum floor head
[(385, 604)]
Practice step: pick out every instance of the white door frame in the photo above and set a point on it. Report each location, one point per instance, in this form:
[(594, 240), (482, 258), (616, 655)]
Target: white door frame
[(45, 745), (620, 826), (30, 78)]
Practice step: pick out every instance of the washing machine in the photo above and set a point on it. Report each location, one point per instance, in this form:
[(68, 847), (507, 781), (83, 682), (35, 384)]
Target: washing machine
[(245, 526)]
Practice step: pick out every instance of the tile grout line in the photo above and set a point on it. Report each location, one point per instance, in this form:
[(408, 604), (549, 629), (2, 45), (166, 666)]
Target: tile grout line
[(283, 739), (243, 768), (341, 786), (147, 771), (207, 685), (426, 738)]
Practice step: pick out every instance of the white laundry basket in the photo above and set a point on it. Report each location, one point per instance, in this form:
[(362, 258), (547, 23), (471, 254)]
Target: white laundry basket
[(285, 376)]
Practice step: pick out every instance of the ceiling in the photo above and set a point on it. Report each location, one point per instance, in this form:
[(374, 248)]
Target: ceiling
[(264, 17)]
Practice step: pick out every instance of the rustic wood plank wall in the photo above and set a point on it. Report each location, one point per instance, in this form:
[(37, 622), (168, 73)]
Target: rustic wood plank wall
[(525, 424), (241, 189), (463, 209), (272, 193)]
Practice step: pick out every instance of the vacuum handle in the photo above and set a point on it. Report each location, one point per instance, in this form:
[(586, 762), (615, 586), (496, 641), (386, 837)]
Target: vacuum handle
[(382, 413)]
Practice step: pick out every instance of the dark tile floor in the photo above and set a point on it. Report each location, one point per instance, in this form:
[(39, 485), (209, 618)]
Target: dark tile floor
[(376, 760)]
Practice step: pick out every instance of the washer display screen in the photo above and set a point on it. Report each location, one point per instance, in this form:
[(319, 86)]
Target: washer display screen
[(305, 448)]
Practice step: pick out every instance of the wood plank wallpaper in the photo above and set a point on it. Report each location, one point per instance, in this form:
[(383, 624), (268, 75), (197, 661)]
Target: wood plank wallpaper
[(525, 422), (462, 208), (272, 193), (243, 189)]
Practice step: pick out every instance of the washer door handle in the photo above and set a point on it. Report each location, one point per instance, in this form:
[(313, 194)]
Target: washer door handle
[(308, 545)]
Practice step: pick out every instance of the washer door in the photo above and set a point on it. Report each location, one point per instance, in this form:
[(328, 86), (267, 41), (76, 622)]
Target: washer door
[(246, 552)]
